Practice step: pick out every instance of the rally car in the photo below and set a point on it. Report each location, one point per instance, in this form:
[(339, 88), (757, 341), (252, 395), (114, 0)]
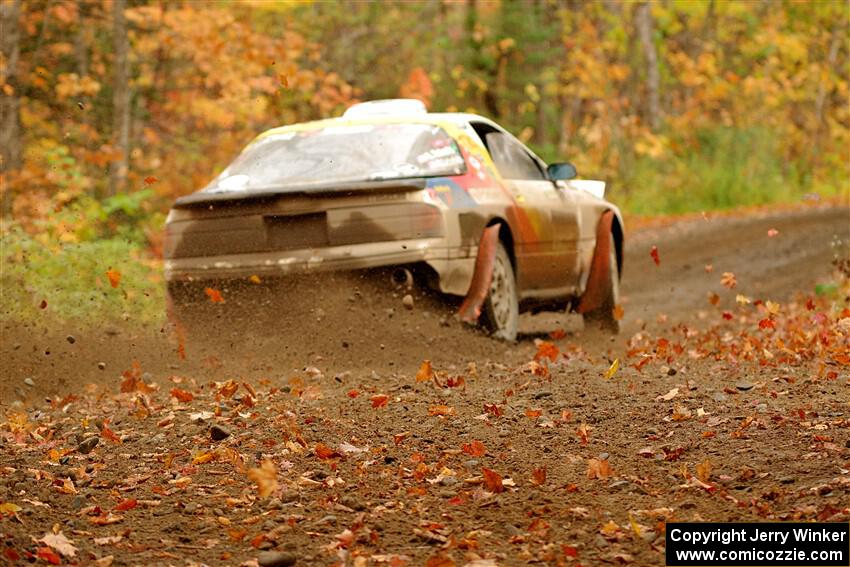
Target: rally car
[(451, 197)]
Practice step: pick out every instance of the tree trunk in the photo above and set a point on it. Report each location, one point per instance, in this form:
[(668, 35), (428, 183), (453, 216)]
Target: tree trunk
[(10, 115), (120, 101), (645, 30)]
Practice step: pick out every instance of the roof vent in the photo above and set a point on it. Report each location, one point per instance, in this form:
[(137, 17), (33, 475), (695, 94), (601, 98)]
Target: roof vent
[(386, 107)]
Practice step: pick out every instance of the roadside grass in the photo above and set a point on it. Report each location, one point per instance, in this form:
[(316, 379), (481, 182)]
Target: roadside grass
[(55, 271), (723, 168)]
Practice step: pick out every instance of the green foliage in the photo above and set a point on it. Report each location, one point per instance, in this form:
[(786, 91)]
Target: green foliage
[(719, 168), (65, 260)]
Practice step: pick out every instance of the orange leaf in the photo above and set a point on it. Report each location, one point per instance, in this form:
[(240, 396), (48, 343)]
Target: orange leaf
[(547, 350), (265, 477), (583, 433), (557, 334), (109, 434), (475, 449), (353, 393), (379, 400), (598, 468), (425, 372), (150, 179), (713, 298), (114, 277), (237, 535), (441, 410), (324, 452), (704, 470), (440, 560), (125, 505), (619, 312), (655, 257), (182, 395), (728, 280), (492, 480), (227, 389), (533, 414), (767, 324), (214, 295), (538, 476)]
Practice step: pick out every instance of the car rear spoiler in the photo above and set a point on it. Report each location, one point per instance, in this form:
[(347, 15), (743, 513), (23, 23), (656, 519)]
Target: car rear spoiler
[(317, 190)]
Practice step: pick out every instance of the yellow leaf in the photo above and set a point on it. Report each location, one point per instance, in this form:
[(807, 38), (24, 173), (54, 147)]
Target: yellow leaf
[(612, 369), (9, 508)]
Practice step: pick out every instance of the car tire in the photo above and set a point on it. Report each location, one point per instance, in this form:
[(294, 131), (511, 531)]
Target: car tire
[(603, 318), (500, 312)]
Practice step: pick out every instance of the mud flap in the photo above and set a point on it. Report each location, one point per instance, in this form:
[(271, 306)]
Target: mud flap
[(598, 283), (470, 309)]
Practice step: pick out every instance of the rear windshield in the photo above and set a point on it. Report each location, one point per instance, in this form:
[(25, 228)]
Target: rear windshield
[(342, 154)]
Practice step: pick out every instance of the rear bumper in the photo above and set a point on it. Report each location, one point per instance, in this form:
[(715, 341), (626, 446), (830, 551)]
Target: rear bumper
[(349, 257)]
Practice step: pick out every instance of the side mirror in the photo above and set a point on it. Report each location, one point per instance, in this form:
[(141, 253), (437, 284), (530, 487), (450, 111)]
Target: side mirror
[(561, 171)]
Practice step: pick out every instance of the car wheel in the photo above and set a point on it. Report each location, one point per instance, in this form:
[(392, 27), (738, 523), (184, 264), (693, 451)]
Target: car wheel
[(603, 317), (500, 313)]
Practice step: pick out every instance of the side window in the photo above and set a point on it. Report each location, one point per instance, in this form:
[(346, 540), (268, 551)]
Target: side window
[(511, 159)]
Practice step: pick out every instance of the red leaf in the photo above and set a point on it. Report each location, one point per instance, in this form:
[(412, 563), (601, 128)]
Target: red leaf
[(379, 400), (727, 315), (353, 393), (557, 334), (11, 554), (492, 480), (475, 449), (48, 555), (150, 179), (493, 410), (655, 257), (125, 505), (767, 324), (43, 304), (569, 550), (182, 395), (810, 305)]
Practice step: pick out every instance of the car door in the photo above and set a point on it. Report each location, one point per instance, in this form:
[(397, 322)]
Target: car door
[(549, 258)]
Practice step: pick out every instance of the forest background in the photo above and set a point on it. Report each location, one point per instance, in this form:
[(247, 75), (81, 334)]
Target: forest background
[(110, 110)]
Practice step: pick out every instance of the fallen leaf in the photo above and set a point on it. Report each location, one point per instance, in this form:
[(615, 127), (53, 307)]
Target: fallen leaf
[(612, 369), (255, 279), (475, 449), (214, 295), (728, 280), (425, 372), (324, 452), (441, 410), (114, 277), (713, 298), (598, 469), (182, 395), (583, 433), (548, 350), (265, 477), (48, 555), (704, 470), (655, 257), (669, 395), (150, 179), (772, 232), (125, 505), (538, 476), (60, 543), (379, 400), (492, 480)]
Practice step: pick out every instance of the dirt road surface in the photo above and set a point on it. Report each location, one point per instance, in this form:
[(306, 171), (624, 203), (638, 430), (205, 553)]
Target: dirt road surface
[(542, 451)]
